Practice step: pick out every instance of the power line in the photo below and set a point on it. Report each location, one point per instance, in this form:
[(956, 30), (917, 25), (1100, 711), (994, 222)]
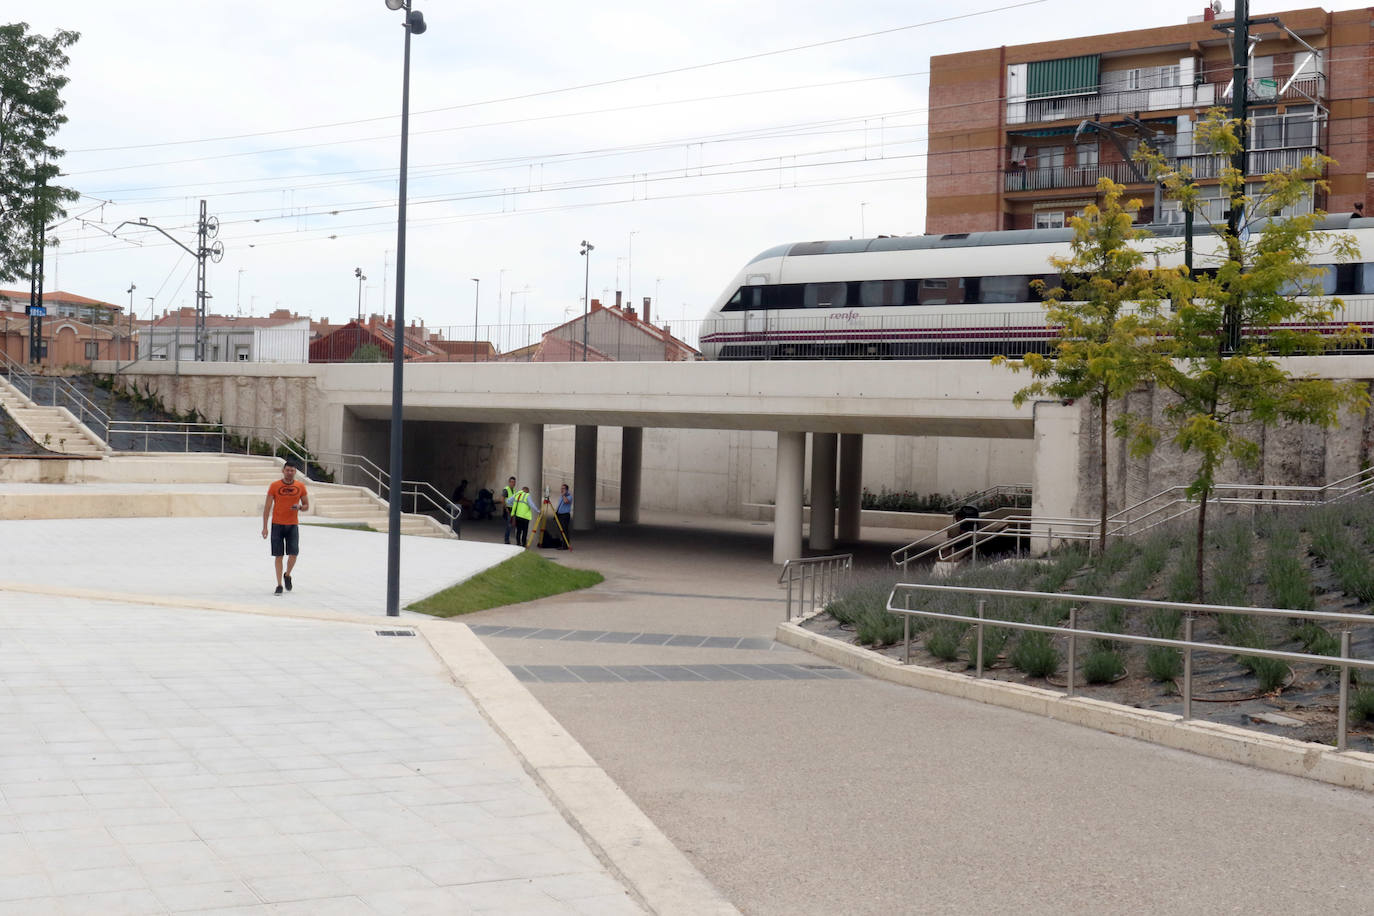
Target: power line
[(594, 85)]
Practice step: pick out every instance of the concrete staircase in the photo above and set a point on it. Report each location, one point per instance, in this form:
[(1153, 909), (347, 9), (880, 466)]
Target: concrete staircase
[(336, 502), (54, 428)]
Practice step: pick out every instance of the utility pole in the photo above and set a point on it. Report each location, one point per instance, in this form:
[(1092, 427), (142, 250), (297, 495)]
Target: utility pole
[(1240, 77), (207, 228), (36, 308)]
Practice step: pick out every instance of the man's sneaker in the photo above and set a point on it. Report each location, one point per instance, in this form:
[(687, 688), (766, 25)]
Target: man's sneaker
[(287, 580), (278, 591)]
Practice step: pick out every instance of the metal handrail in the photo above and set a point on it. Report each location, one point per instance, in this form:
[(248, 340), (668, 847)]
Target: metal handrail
[(827, 575), (1015, 490), (416, 490), (1187, 645)]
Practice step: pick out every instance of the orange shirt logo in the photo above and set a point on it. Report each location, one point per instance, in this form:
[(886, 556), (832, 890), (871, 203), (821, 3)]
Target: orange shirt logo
[(285, 495)]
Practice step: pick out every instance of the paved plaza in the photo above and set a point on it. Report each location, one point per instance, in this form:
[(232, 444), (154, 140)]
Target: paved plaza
[(197, 747), (175, 739)]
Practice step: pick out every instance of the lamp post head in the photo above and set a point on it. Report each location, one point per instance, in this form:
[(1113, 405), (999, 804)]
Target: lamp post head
[(395, 4), (586, 247)]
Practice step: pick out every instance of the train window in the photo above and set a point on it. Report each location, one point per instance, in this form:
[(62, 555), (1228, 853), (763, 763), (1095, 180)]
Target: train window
[(745, 298), (876, 293), (784, 296), (1011, 288), (825, 295)]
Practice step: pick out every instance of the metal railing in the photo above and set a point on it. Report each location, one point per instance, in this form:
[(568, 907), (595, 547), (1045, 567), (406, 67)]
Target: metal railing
[(1160, 509), (1013, 491), (56, 391), (825, 575), (378, 481), (1258, 162), (899, 602)]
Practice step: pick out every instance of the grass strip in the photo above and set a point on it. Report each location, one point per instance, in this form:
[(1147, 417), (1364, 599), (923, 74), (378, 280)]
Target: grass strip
[(521, 578)]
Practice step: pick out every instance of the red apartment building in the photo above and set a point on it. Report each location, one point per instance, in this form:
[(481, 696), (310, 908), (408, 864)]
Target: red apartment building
[(1009, 148)]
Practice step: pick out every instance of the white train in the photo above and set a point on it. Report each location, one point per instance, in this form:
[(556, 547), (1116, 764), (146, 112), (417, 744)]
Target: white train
[(966, 295)]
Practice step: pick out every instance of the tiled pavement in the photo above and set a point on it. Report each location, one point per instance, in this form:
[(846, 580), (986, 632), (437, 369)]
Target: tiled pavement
[(176, 739), (172, 761)]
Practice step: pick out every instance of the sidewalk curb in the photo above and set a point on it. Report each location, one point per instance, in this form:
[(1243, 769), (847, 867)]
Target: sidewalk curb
[(1352, 769), (632, 846)]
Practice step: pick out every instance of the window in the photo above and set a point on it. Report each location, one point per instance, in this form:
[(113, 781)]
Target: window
[(873, 293), (1049, 220), (92, 350), (825, 295), (1085, 154), (1049, 157), (241, 354)]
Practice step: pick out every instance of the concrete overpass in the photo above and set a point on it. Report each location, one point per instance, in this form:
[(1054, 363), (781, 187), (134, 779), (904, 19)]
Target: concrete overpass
[(346, 408)]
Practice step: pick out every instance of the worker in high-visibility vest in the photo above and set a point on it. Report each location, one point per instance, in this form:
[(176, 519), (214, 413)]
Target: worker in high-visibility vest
[(522, 512), (507, 500)]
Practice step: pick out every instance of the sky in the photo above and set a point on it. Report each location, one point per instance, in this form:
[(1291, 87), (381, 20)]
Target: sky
[(679, 139)]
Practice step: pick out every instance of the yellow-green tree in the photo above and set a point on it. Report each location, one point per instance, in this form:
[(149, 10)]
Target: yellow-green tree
[(1260, 282), (1107, 312)]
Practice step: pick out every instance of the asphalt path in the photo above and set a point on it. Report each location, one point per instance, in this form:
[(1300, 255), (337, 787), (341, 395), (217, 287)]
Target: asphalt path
[(850, 795)]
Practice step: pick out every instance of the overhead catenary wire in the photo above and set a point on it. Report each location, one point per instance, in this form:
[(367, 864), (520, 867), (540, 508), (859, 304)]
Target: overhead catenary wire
[(598, 84)]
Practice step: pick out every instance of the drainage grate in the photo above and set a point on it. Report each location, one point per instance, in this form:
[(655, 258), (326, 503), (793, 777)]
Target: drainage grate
[(395, 632)]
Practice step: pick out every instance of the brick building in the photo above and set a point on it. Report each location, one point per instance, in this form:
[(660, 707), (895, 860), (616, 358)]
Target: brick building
[(1010, 149)]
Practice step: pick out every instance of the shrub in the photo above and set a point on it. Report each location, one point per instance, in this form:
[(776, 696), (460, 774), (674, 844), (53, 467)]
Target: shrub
[(1362, 706), (1102, 666), (1064, 563), (1317, 640), (1035, 654), (994, 641), (943, 640), (1163, 663), (866, 591), (1286, 576), (1183, 583), (1270, 672), (877, 627)]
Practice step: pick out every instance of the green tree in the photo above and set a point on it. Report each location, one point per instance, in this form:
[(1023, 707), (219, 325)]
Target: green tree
[(1262, 280), (1107, 314), (31, 83), (367, 353)]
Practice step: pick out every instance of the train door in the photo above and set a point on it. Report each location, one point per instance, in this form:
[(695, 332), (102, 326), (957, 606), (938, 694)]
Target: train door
[(756, 329)]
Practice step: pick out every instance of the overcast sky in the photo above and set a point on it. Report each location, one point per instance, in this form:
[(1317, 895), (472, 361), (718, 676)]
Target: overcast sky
[(759, 128)]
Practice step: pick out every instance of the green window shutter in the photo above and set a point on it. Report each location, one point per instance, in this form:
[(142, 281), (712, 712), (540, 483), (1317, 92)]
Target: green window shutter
[(1066, 76)]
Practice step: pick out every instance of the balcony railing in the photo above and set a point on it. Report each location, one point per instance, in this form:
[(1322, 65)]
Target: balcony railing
[(1260, 162), (1103, 104)]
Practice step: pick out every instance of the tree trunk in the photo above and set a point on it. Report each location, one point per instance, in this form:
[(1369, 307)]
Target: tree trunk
[(1201, 545), (1102, 473)]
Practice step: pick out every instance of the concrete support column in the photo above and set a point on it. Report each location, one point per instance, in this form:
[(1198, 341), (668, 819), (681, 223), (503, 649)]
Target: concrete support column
[(851, 486), (823, 445), (631, 464), (787, 506), (584, 478), (530, 461)]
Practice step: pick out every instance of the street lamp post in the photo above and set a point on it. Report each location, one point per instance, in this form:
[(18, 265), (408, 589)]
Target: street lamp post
[(358, 272), (414, 23), (476, 300), (587, 248), (630, 270)]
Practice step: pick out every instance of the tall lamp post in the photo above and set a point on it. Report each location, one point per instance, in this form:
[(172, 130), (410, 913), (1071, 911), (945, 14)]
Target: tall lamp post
[(630, 270), (476, 300), (358, 272), (414, 24), (587, 249)]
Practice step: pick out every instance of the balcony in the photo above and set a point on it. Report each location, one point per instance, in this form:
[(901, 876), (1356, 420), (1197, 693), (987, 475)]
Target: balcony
[(1104, 104), (1260, 162)]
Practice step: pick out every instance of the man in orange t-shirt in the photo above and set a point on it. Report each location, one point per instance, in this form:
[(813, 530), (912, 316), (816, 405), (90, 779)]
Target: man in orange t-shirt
[(285, 499)]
